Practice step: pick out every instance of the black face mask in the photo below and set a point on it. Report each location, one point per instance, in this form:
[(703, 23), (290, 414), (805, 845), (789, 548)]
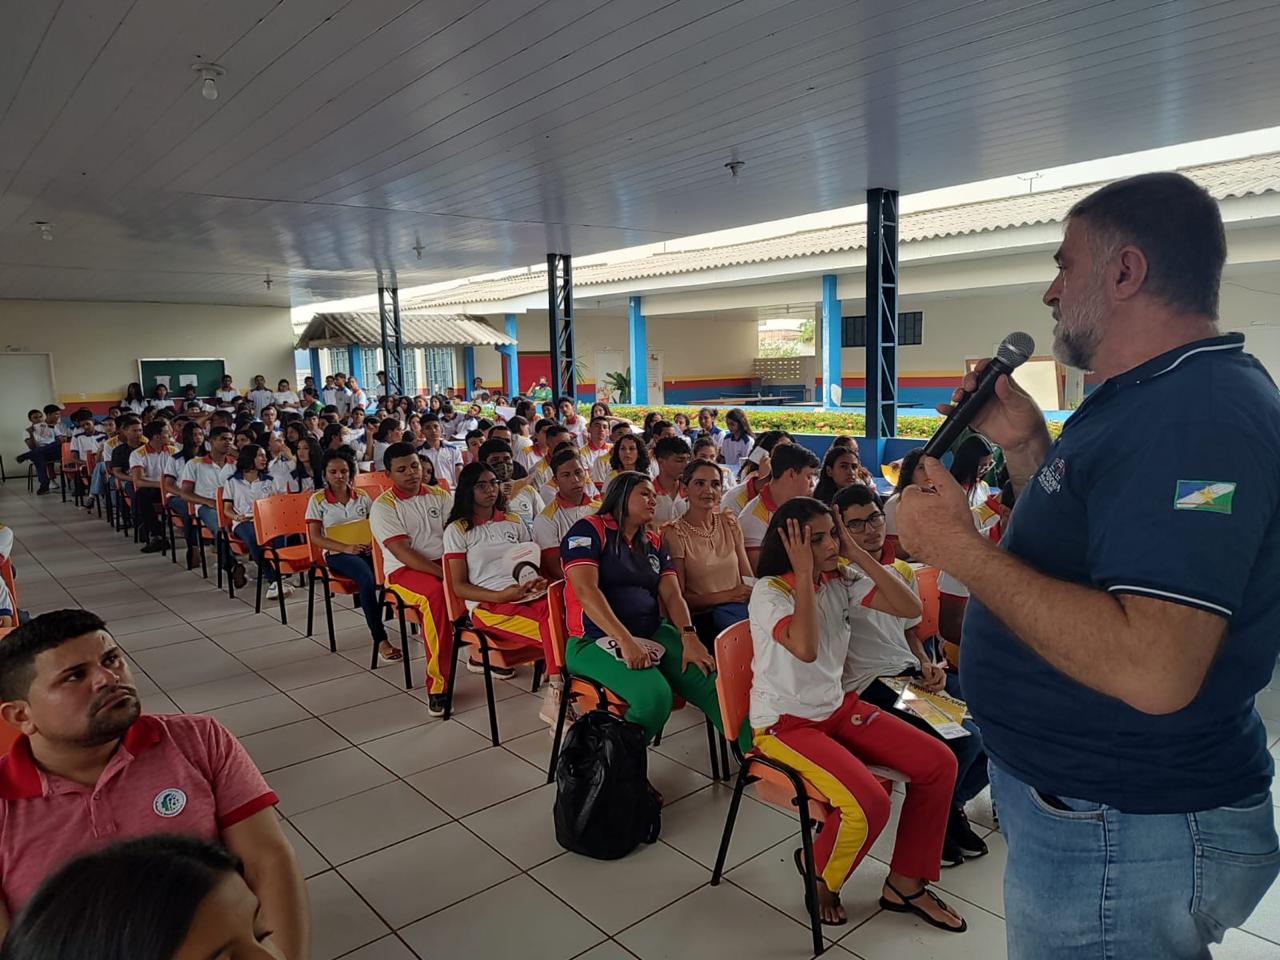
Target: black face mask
[(501, 471)]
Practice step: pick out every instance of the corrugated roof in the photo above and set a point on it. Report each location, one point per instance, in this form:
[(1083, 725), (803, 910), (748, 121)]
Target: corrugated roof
[(418, 330), (1232, 178)]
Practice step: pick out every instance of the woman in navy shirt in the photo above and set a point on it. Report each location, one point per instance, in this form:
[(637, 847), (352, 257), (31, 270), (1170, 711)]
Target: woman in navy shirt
[(616, 572)]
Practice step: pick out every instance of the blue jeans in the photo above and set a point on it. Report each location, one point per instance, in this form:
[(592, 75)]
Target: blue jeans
[(42, 457), (98, 482), (183, 509), (1089, 882), (244, 530), (359, 567)]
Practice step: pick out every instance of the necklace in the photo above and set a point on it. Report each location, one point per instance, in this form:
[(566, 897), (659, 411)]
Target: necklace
[(707, 533)]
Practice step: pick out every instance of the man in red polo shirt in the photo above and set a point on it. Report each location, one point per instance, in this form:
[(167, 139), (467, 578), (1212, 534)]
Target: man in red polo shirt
[(89, 769)]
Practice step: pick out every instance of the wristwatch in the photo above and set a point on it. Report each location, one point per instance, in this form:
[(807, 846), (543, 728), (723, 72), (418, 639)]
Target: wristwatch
[(689, 629)]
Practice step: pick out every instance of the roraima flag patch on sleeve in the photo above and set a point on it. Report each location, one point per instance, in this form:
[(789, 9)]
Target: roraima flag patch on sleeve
[(1208, 496)]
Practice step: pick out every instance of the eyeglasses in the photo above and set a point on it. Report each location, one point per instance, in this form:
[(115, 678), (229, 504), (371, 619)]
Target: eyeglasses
[(486, 484), (858, 526)]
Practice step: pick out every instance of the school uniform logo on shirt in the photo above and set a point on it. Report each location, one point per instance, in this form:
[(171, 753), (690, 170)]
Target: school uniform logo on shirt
[(1207, 496), (1051, 476), (655, 562), (170, 802)]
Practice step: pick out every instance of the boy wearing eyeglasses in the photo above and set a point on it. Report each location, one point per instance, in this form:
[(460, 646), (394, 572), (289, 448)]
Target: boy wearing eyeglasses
[(882, 645)]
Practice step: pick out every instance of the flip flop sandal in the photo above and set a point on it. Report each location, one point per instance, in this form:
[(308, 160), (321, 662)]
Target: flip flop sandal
[(908, 907), (799, 858), (395, 657)]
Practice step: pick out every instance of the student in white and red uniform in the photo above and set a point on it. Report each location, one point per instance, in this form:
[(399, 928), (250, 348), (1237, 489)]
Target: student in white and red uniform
[(794, 471), (800, 610), (672, 456), (570, 504), (568, 411), (446, 461), (596, 449), (147, 466), (408, 522), (89, 768), (480, 547)]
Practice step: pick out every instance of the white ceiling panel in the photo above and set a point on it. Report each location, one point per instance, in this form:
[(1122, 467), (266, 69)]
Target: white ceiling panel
[(348, 131)]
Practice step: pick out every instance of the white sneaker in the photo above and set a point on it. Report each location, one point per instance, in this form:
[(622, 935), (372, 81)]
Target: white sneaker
[(551, 708), (273, 590)]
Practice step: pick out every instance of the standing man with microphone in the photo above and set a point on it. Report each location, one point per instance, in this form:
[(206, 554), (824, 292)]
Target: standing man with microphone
[(1116, 638)]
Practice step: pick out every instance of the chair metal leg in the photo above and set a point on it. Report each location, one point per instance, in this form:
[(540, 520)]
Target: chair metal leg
[(561, 714), (281, 580), (404, 657), (257, 600), (711, 748), (738, 786), (488, 690), (450, 683), (810, 874), (311, 600), (328, 615), (724, 757), (537, 676)]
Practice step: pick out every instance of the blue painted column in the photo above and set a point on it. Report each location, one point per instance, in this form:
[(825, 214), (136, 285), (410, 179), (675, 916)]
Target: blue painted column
[(468, 370), (639, 349), (512, 356), (831, 344), (353, 361), (314, 355)]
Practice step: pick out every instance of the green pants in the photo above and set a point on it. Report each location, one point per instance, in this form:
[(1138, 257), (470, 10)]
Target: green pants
[(648, 691)]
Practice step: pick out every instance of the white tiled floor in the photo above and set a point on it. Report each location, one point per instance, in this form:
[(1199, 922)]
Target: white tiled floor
[(420, 839)]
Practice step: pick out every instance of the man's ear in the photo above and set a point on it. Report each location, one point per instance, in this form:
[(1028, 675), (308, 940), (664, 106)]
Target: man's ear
[(17, 713), (1131, 274)]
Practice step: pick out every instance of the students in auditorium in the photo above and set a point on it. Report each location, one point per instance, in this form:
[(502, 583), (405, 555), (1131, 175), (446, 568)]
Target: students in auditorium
[(479, 541), (134, 401), (159, 897), (359, 399), (793, 471), (840, 469), (751, 483), (159, 399), (199, 482), (106, 440), (251, 482), (339, 503), (305, 473), (884, 645), (554, 437), (704, 448), (596, 449), (523, 500), (707, 426), (226, 394), (628, 454), (42, 446), (66, 686), (800, 610), (446, 461), (568, 411), (388, 432), (672, 456), (129, 439), (570, 504), (408, 522), (284, 397), (536, 449), (707, 550), (617, 573), (147, 465)]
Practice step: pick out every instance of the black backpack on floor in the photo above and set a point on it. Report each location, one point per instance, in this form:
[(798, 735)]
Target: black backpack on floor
[(604, 805)]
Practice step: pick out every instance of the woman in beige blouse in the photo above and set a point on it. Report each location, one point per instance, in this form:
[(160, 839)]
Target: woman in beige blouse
[(707, 550)]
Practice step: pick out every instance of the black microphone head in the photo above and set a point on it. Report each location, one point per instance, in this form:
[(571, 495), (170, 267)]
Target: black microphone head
[(1016, 349)]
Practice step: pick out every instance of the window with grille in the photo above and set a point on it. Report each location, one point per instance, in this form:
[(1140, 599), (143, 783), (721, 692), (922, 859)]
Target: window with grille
[(910, 330), (439, 368)]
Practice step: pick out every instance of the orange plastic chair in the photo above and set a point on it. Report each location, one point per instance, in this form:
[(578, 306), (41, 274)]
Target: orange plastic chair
[(282, 515), (72, 469), (374, 484), (775, 782), (333, 583), (927, 584), (408, 615), (90, 464), (582, 688), (494, 652), (226, 542), (175, 520)]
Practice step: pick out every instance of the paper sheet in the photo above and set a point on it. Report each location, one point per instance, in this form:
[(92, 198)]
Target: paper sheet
[(939, 710), (188, 380)]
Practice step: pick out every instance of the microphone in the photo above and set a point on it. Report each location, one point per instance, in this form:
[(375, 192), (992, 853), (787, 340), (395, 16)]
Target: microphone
[(1014, 351)]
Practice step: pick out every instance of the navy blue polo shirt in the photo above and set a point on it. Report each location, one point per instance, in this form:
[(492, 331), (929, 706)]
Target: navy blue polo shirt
[(628, 577), (1165, 483)]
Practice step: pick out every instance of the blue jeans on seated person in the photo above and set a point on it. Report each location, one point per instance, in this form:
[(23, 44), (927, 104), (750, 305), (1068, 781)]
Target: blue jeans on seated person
[(98, 481), (42, 457), (244, 530), (183, 509), (1085, 881), (359, 567)]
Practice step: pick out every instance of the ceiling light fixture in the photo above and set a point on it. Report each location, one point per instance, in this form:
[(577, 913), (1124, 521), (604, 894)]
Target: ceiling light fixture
[(209, 74), (268, 282), (45, 227), (734, 167), (418, 247)]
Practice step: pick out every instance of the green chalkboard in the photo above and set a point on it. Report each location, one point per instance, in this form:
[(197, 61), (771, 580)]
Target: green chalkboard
[(208, 374)]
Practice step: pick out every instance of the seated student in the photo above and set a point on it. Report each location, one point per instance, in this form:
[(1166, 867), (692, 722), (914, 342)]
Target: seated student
[(882, 645), (708, 553), (309, 401), (521, 499), (359, 399), (570, 504), (596, 449), (247, 436), (569, 418), (840, 469), (305, 473), (270, 419), (84, 441), (628, 455), (198, 485), (280, 460), (478, 546), (682, 427), (618, 579), (341, 503), (446, 461), (128, 438), (160, 397), (911, 472), (408, 522), (970, 462), (159, 897), (192, 405), (260, 395), (285, 397), (106, 441), (134, 402), (90, 767), (148, 464), (226, 395), (672, 456), (813, 580), (333, 437), (473, 439), (528, 456), (465, 423), (42, 446), (793, 470), (750, 484), (251, 482), (707, 426), (704, 448)]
